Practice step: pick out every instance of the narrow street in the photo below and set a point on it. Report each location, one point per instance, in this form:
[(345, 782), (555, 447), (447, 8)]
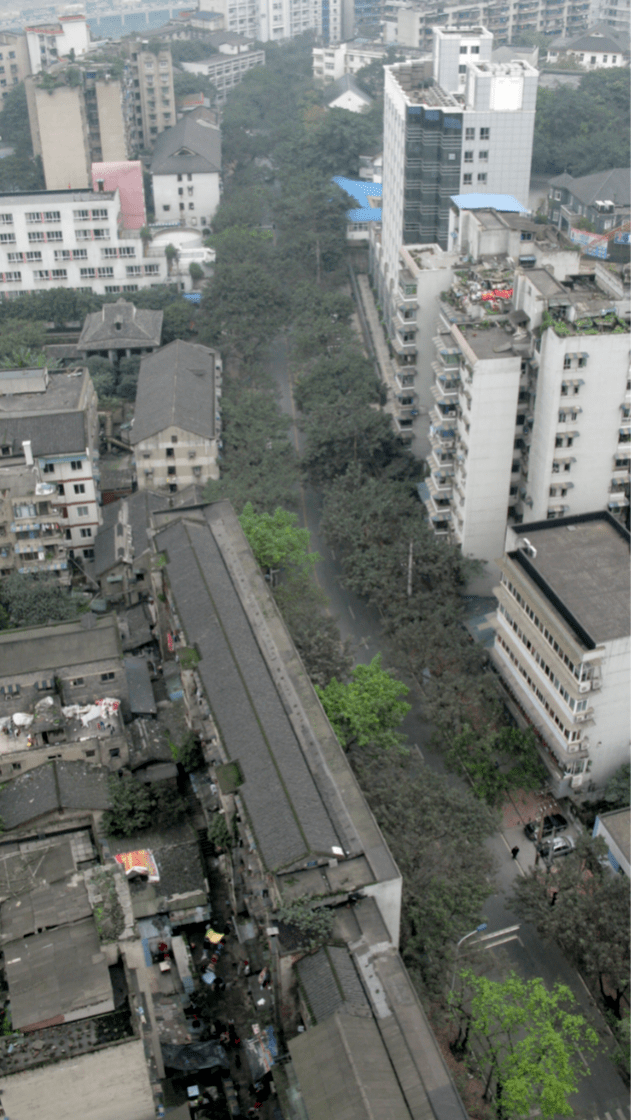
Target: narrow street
[(602, 1096)]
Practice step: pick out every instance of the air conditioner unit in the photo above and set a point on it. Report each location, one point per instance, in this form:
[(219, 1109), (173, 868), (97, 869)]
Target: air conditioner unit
[(580, 717), (577, 781), (584, 686)]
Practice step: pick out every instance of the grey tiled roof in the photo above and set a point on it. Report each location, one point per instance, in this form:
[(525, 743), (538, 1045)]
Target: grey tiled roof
[(138, 507), (43, 908), (53, 421), (137, 328), (61, 645), (53, 786), (176, 387), (329, 979), (614, 184), (283, 802), (190, 146), (142, 702)]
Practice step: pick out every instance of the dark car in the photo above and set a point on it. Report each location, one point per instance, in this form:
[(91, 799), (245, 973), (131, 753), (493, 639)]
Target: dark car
[(553, 849), (554, 823)]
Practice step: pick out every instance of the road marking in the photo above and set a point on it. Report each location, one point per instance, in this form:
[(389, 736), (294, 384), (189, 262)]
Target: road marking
[(350, 611), (621, 1114), (504, 941), (608, 1115), (498, 933), (418, 751)]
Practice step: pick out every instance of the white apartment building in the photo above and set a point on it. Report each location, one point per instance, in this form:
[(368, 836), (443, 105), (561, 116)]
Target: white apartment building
[(15, 64), (266, 20), (533, 404), (47, 43), (334, 61), (71, 239), (506, 19), (49, 469), (150, 97), (226, 69), (186, 172), (562, 643)]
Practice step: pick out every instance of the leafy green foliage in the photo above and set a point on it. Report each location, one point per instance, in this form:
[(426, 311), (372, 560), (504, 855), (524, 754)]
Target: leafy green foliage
[(259, 463), (218, 832), (103, 376), (128, 370), (179, 320), (21, 344), (276, 540), (136, 807), (368, 710), (589, 918), (313, 925), (189, 753), (617, 790), (314, 633), (185, 84), (528, 1039), (585, 129), (131, 809), (436, 833), (496, 762), (34, 600)]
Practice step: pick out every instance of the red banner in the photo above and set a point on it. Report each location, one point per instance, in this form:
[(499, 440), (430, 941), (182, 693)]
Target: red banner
[(498, 293)]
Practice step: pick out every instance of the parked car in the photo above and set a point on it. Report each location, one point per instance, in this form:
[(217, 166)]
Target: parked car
[(555, 848), (553, 823)]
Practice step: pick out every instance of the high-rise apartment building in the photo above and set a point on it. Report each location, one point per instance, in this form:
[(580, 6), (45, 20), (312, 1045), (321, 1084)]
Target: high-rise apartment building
[(48, 43), (506, 19), (533, 405), (455, 124), (15, 65), (562, 643), (78, 122), (149, 94)]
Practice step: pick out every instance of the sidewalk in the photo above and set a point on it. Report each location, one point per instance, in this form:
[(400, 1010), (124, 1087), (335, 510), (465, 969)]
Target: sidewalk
[(520, 808)]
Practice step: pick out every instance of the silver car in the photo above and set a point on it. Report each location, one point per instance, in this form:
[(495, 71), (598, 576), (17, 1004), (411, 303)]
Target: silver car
[(554, 849)]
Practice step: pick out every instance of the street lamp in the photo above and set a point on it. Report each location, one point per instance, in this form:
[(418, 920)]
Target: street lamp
[(478, 929)]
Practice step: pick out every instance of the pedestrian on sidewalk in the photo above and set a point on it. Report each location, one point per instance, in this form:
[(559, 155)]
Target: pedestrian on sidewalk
[(514, 852)]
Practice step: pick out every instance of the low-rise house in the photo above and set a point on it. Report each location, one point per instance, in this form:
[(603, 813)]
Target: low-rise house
[(603, 199), (176, 419), (186, 172), (563, 641), (599, 47), (346, 94), (119, 330), (58, 795), (122, 548), (80, 662), (49, 509), (614, 828)]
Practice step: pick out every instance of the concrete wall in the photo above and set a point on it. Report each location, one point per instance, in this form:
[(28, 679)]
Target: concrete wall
[(109, 100), (63, 137), (194, 460), (195, 205)]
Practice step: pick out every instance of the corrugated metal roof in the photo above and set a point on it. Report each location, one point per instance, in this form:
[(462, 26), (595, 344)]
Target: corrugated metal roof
[(477, 201)]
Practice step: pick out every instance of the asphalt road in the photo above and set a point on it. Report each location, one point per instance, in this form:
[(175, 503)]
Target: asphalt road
[(602, 1095)]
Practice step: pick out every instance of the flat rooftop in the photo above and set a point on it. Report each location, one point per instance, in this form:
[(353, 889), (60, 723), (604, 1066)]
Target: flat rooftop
[(546, 284), (415, 81), (584, 562), (487, 342), (46, 197), (40, 648), (62, 393), (617, 824)]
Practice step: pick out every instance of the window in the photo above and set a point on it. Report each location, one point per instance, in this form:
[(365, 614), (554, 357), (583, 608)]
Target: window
[(485, 134), (468, 157), (105, 273), (170, 453), (467, 179), (605, 58), (475, 50), (180, 190), (7, 238), (170, 470), (52, 216), (37, 236), (191, 205), (77, 682), (166, 208), (593, 60), (190, 191), (79, 488), (483, 155), (88, 554), (134, 270), (181, 205), (83, 511), (462, 69), (49, 468), (469, 133), (108, 676), (567, 362), (85, 532), (75, 464), (614, 58), (482, 177), (463, 50), (152, 269), (87, 273)]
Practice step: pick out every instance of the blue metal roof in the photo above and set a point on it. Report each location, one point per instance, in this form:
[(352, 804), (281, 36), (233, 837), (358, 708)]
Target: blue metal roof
[(477, 201), (364, 215), (361, 192)]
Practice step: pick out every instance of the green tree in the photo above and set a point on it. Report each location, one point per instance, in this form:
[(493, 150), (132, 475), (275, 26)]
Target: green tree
[(617, 789), (196, 272), (179, 321), (588, 920), (218, 832), (35, 600), (445, 880), (369, 709), (528, 1040), (585, 129), (496, 762), (186, 85), (167, 805), (127, 382), (314, 633), (103, 376), (131, 807), (312, 924), (276, 540), (189, 753)]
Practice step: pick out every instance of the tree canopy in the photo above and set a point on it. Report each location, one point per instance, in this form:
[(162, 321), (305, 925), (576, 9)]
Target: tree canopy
[(369, 709), (585, 129), (276, 540), (496, 761), (35, 600), (528, 1039)]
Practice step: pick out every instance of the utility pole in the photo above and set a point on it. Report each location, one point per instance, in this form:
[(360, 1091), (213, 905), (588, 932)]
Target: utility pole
[(410, 558)]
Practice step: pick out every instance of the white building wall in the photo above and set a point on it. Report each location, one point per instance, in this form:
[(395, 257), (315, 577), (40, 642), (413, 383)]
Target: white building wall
[(192, 458), (498, 124), (490, 441), (609, 735), (394, 111), (587, 466), (191, 198), (70, 239)]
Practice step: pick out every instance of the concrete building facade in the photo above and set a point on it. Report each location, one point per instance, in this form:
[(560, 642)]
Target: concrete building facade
[(150, 97), (186, 172), (15, 64), (562, 643), (176, 420), (49, 469), (226, 69), (47, 43), (71, 239)]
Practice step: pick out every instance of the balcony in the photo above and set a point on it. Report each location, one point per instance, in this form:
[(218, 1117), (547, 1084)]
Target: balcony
[(440, 487), (445, 387), (404, 344), (440, 462)]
